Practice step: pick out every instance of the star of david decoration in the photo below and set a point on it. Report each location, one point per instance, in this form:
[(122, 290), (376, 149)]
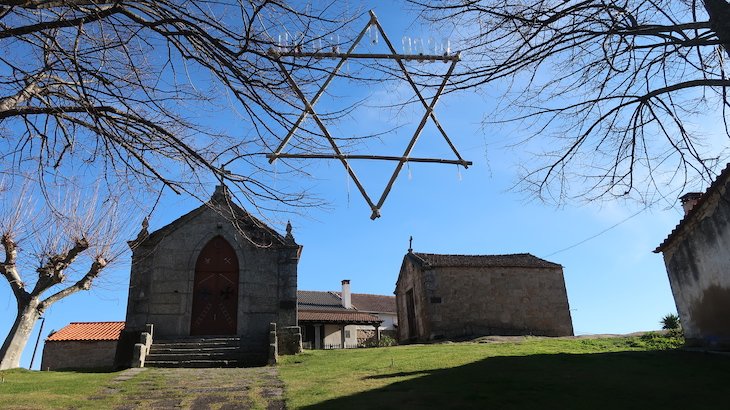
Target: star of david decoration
[(344, 158)]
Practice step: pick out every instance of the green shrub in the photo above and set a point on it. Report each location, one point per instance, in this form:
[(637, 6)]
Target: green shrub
[(670, 322), (385, 341)]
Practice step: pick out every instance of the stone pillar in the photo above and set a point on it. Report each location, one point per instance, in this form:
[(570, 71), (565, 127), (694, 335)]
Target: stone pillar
[(377, 334), (289, 340), (318, 337), (342, 335), (273, 345)]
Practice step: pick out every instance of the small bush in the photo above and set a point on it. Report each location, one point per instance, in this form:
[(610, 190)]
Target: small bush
[(385, 341), (658, 341), (670, 322)]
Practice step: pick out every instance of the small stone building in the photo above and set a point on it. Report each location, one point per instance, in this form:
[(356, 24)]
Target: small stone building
[(82, 345), (697, 257), (215, 271), (457, 296)]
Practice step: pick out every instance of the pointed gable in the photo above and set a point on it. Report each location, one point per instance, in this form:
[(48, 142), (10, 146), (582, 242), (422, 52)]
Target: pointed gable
[(221, 204)]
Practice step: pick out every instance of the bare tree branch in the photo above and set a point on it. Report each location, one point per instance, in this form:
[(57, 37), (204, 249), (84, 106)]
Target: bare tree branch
[(595, 83), (82, 284), (9, 269)]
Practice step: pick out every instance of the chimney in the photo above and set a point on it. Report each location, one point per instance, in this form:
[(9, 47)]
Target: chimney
[(689, 200), (346, 296)]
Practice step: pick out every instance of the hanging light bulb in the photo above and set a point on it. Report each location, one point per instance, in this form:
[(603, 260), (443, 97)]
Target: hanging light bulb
[(373, 32), (298, 43), (406, 41), (284, 41), (431, 47), (334, 43), (418, 46)]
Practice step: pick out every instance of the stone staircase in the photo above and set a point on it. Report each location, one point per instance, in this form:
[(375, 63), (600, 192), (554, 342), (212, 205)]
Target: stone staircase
[(204, 352)]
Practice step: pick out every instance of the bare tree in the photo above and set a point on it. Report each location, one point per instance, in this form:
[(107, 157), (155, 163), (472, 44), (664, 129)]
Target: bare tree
[(52, 251), (616, 84), (127, 89)]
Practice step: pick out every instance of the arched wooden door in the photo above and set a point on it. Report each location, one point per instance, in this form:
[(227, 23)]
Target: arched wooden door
[(215, 290)]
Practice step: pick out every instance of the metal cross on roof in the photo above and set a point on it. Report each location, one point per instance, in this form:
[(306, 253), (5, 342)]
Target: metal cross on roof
[(344, 158)]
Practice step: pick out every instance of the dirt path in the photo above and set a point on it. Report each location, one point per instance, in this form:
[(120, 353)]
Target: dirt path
[(224, 389)]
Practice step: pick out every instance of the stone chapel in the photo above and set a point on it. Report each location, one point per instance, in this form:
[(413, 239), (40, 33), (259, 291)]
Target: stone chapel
[(215, 271)]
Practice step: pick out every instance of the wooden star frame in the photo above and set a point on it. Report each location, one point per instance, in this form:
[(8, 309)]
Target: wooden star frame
[(344, 158)]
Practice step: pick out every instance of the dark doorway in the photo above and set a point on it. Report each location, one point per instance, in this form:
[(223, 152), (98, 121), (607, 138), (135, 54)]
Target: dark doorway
[(215, 290), (309, 335), (411, 315)]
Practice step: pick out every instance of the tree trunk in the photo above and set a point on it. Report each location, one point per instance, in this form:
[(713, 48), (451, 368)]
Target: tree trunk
[(719, 12), (19, 334)]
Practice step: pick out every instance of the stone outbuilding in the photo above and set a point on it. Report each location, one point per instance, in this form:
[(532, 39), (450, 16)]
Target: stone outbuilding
[(215, 271), (82, 345), (458, 296), (697, 257)]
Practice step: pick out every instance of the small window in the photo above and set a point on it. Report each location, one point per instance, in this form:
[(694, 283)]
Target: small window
[(347, 334), (435, 299)]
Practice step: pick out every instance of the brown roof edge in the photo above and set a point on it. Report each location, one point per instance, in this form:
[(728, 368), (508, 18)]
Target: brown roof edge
[(521, 260), (715, 185)]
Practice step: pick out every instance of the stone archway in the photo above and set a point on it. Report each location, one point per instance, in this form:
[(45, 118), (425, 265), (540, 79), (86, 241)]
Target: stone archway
[(215, 290)]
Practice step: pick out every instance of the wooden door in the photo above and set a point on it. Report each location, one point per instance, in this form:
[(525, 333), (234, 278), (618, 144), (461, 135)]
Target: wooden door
[(215, 290)]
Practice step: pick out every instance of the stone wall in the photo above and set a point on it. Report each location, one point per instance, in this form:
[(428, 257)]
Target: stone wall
[(698, 265), (497, 300), (366, 337), (59, 355), (410, 278)]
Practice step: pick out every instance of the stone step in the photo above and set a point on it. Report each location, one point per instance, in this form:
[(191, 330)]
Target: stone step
[(200, 342), (192, 349), (195, 355), (195, 363), (204, 352)]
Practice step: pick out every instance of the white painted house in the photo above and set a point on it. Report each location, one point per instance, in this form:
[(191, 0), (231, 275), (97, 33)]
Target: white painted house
[(333, 320)]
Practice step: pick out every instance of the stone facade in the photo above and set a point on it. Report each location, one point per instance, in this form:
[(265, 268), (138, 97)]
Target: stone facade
[(97, 354), (697, 257), (165, 262), (455, 296)]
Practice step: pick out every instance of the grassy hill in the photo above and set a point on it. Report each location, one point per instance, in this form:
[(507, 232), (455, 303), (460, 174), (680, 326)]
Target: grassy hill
[(581, 373), (627, 372)]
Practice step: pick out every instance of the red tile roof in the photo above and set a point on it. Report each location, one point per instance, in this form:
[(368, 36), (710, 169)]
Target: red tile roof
[(88, 331), (338, 317)]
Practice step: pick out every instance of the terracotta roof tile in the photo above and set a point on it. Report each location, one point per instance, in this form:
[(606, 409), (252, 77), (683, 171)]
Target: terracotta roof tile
[(349, 317), (517, 260), (88, 331)]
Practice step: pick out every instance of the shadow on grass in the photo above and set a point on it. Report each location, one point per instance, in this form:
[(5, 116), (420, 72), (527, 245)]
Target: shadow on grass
[(89, 370), (622, 380)]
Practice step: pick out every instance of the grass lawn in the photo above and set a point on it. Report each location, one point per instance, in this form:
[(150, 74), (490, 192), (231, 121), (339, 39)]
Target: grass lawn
[(25, 389), (616, 373)]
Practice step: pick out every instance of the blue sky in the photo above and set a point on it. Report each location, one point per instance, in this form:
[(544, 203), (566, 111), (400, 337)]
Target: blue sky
[(615, 283)]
